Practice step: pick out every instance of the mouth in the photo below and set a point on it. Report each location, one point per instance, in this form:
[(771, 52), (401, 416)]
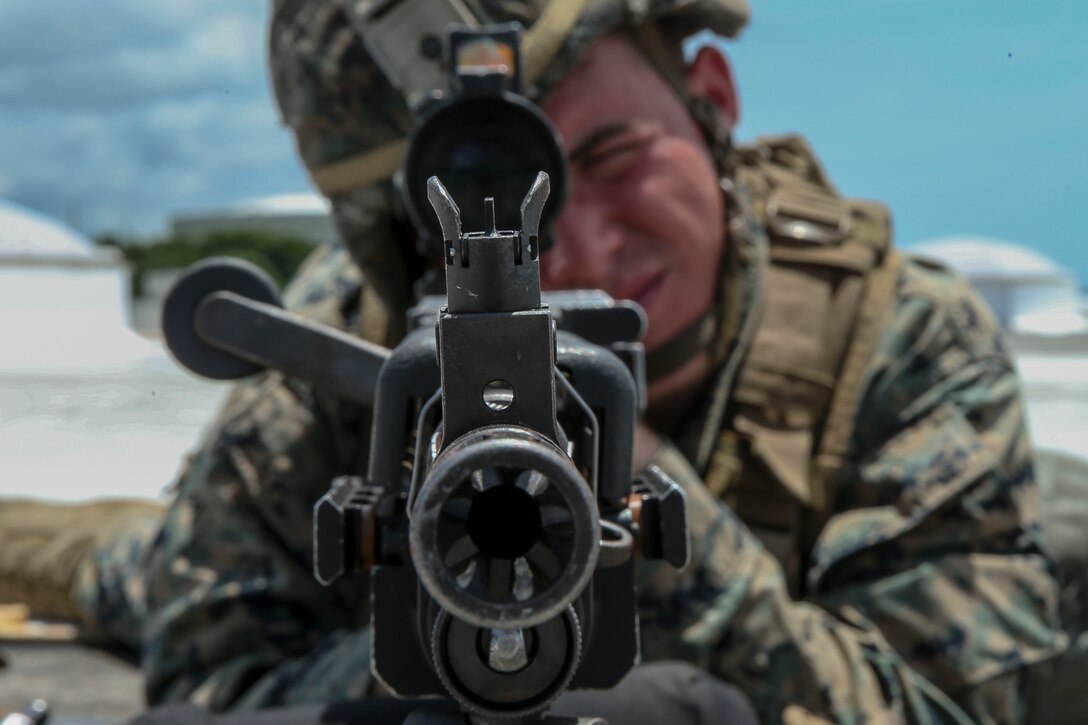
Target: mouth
[(643, 290)]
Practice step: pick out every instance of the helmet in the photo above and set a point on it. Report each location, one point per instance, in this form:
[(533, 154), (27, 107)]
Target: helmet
[(351, 120)]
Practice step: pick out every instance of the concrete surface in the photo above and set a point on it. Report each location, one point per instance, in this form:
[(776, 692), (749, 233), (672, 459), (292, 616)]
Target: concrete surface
[(83, 685)]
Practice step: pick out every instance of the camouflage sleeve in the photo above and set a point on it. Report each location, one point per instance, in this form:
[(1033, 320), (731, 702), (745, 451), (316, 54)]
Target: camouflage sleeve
[(928, 592), (236, 617)]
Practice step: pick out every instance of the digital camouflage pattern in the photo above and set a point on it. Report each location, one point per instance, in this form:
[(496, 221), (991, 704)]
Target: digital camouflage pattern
[(238, 617), (928, 584)]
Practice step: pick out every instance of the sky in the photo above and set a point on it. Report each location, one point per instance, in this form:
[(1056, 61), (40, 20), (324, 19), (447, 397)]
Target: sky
[(965, 116)]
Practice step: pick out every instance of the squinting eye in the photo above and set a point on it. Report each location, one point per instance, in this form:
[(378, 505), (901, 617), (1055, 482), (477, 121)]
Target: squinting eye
[(616, 154), (606, 164)]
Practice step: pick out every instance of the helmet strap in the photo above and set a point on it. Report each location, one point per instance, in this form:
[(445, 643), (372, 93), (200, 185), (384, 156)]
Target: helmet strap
[(684, 346)]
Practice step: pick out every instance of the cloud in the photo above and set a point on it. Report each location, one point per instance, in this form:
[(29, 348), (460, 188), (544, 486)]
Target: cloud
[(98, 66), (130, 111)]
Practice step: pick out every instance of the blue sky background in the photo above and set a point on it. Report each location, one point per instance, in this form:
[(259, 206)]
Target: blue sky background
[(966, 116)]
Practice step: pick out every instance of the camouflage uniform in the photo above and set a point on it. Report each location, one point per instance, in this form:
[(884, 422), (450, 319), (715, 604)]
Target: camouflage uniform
[(924, 597), (927, 591)]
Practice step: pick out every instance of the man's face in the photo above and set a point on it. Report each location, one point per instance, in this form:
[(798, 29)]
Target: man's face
[(644, 218)]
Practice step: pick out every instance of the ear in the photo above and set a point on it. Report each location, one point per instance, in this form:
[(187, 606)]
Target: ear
[(709, 75)]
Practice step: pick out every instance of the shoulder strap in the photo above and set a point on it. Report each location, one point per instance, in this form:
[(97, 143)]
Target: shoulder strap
[(827, 286), (839, 424)]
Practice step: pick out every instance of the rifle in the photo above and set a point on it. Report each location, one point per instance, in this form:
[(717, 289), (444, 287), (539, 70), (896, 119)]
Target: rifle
[(502, 565)]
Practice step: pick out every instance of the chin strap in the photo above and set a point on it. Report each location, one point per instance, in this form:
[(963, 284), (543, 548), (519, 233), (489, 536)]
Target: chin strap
[(695, 338)]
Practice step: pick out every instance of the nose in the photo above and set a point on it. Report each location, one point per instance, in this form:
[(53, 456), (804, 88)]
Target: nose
[(584, 246)]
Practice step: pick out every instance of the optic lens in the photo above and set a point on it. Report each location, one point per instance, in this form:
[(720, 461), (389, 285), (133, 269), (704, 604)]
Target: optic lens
[(484, 147)]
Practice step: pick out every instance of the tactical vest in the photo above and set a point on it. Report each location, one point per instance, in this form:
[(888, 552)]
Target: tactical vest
[(827, 283)]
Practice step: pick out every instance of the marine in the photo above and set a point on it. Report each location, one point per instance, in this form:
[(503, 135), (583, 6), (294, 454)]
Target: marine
[(845, 420)]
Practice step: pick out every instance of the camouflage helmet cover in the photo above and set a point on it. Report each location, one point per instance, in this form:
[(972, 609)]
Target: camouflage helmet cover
[(345, 113), (339, 104)]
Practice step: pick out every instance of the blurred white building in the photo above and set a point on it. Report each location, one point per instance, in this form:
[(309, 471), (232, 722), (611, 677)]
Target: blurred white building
[(64, 301), (302, 216), (35, 251), (88, 408), (1030, 293)]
